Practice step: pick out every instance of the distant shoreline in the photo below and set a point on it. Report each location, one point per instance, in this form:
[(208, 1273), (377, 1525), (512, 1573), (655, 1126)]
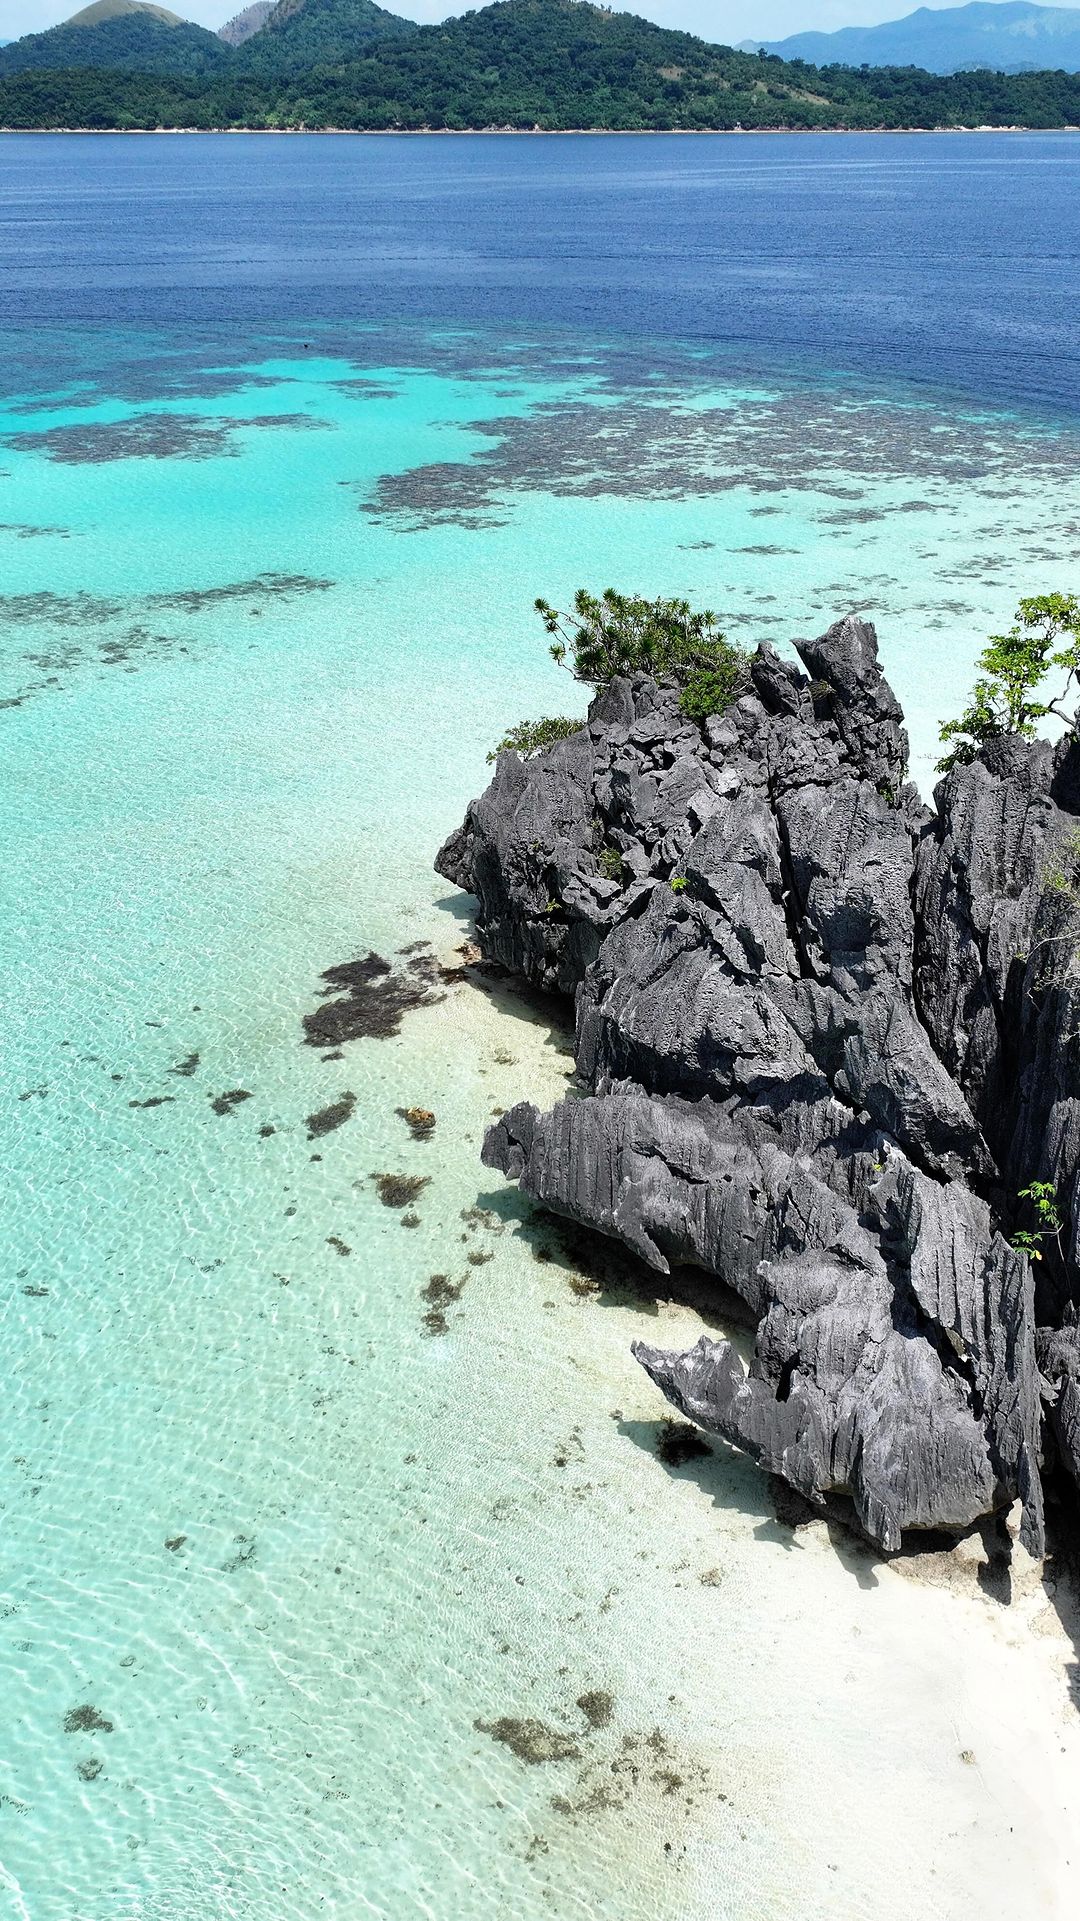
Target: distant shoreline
[(532, 133)]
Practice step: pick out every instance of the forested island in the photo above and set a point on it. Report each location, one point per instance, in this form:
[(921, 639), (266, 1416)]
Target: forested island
[(518, 65)]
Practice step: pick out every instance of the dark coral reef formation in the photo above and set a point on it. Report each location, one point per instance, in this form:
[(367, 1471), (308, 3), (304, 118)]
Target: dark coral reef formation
[(825, 1038)]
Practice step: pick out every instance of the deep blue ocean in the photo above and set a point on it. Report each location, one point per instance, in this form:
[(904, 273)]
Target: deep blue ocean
[(322, 1520), (949, 261)]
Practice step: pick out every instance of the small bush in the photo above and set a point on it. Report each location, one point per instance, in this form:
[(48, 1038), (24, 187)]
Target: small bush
[(532, 736), (610, 863), (1048, 1224), (609, 634), (1061, 875), (711, 688)]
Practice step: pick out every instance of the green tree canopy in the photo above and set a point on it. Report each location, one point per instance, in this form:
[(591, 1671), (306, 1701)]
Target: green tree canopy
[(1028, 673)]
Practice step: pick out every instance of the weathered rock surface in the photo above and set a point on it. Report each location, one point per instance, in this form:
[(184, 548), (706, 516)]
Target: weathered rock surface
[(1059, 1358), (827, 1037)]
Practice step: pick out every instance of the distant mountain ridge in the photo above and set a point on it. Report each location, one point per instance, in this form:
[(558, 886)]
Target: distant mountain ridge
[(1002, 36)]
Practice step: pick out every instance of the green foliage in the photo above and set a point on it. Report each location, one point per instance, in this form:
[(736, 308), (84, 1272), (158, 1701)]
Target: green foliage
[(711, 688), (612, 633), (1048, 1223), (303, 34), (610, 862), (133, 41), (678, 883), (1061, 875), (1011, 697), (532, 736), (551, 64), (617, 633)]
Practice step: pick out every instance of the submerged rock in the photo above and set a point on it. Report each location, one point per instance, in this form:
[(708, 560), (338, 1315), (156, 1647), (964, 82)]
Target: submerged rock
[(828, 1036), (367, 999), (400, 1190), (531, 1740), (326, 1119)]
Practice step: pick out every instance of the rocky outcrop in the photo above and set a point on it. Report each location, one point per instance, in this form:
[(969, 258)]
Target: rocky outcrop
[(1059, 1358), (826, 1037), (998, 974), (242, 25)]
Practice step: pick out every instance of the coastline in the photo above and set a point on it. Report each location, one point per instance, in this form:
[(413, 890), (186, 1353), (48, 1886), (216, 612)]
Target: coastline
[(545, 133)]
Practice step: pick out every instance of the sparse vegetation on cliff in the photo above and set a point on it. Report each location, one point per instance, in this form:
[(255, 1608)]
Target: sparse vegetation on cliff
[(612, 633), (532, 736), (1011, 695), (604, 635), (1047, 1224)]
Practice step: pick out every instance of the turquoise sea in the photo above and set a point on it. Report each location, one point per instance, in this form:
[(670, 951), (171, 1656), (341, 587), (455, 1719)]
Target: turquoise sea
[(323, 1517)]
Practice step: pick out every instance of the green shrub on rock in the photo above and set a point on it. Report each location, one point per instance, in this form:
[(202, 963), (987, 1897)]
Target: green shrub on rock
[(532, 736), (1048, 1223), (610, 634), (1010, 696), (1061, 874), (711, 688)]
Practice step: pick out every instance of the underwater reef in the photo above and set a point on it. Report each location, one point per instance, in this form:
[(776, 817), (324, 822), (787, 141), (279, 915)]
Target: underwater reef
[(826, 1038)]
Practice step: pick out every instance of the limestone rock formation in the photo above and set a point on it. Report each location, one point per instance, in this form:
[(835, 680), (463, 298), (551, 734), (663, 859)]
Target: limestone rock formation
[(827, 1036), (246, 23)]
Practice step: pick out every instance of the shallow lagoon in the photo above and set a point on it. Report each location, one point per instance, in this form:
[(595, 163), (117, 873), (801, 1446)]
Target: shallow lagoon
[(266, 604)]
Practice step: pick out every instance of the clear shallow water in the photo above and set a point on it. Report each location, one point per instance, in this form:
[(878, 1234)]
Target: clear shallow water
[(265, 604)]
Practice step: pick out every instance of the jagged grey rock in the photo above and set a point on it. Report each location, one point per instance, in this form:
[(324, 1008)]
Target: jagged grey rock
[(1059, 1359), (821, 1065)]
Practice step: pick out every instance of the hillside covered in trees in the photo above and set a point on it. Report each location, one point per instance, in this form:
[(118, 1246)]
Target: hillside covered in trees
[(518, 64), (302, 34), (119, 34)]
